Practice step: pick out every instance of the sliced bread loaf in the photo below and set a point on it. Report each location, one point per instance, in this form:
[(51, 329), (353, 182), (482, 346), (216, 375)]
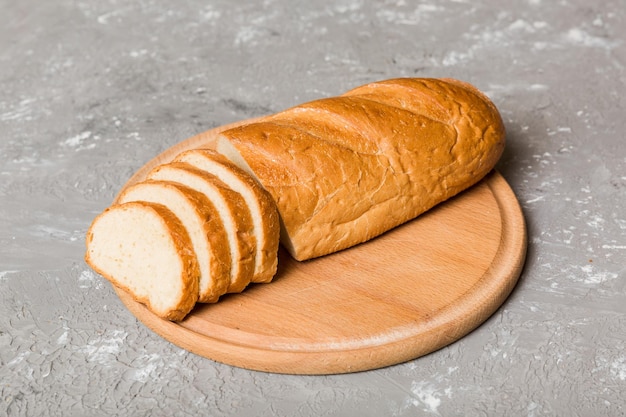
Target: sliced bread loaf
[(144, 249), (203, 224), (265, 220), (233, 212), (343, 170)]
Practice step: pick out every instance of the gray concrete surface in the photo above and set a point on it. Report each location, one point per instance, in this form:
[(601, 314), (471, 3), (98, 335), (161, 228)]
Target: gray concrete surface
[(91, 90)]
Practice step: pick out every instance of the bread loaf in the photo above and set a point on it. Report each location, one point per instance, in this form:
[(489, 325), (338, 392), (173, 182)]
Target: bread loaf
[(144, 249), (325, 175), (262, 207), (345, 169)]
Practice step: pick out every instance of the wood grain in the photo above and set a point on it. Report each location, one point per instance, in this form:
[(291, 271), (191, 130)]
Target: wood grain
[(402, 295)]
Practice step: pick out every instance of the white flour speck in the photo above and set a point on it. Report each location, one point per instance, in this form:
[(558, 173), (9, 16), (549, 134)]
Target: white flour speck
[(104, 349), (578, 36), (77, 140), (104, 18), (618, 368), (210, 15), (138, 53), (20, 111), (152, 362), (522, 26), (62, 340), (86, 279), (346, 8), (535, 199), (134, 135), (429, 8), (19, 358), (597, 222), (453, 58), (420, 13), (427, 396), (593, 277), (568, 236), (613, 246), (245, 35), (3, 274)]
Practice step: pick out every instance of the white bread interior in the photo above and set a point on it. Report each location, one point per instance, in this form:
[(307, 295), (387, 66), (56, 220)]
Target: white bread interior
[(144, 249)]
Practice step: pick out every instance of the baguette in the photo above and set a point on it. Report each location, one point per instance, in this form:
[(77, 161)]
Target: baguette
[(343, 170)]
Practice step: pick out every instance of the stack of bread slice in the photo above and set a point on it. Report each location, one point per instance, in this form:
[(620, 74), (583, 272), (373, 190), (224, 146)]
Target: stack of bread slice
[(193, 230)]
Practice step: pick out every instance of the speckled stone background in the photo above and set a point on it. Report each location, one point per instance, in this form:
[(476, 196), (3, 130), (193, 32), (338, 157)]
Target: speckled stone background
[(91, 90)]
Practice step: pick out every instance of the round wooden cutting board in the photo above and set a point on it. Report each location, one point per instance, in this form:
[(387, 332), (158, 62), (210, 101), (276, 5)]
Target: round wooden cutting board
[(402, 295)]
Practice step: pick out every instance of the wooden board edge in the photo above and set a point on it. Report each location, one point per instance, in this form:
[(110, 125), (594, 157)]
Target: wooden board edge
[(491, 292)]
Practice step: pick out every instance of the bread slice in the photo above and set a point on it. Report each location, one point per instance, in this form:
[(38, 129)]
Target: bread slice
[(203, 224), (345, 169), (144, 249), (233, 212), (265, 221)]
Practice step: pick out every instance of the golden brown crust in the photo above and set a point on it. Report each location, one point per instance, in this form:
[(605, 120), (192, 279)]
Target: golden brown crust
[(408, 144)]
